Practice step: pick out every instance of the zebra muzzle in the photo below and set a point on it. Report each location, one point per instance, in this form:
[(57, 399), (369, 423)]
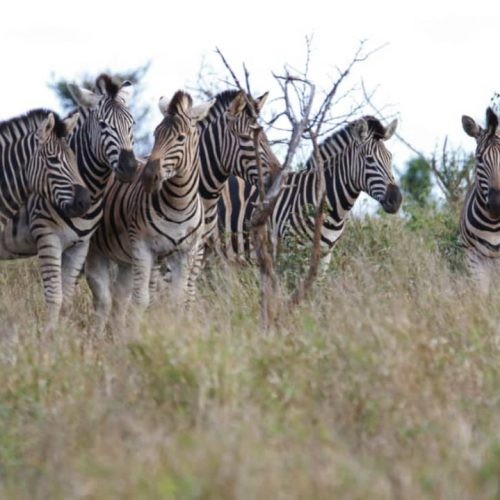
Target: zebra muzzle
[(392, 199), (151, 177), (80, 204), (493, 203), (127, 166)]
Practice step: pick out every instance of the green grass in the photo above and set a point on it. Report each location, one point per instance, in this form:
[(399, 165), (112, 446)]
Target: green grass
[(384, 384)]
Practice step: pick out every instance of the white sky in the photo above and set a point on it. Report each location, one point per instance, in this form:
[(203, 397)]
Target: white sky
[(442, 59)]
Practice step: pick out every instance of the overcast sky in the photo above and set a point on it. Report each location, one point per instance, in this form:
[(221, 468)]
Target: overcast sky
[(442, 58)]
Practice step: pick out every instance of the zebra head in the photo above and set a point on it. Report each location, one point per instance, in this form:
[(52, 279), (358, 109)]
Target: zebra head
[(487, 160), (176, 140), (61, 182), (238, 146), (110, 124), (377, 179)]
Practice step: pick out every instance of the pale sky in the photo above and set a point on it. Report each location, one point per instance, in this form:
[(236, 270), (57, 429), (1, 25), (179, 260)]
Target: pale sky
[(442, 59)]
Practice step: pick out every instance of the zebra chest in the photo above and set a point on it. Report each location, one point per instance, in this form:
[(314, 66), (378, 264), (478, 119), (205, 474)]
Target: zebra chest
[(163, 239)]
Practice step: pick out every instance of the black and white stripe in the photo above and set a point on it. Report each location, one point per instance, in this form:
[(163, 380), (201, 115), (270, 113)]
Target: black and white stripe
[(159, 216), (102, 141), (35, 158), (355, 159), (227, 148), (480, 218)]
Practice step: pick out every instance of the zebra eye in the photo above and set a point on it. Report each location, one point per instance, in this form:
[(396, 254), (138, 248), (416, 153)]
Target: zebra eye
[(181, 137), (103, 125)]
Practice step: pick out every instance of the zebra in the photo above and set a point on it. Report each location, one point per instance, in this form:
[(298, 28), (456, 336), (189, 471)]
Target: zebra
[(35, 158), (227, 148), (354, 158), (480, 216), (158, 216), (102, 141)]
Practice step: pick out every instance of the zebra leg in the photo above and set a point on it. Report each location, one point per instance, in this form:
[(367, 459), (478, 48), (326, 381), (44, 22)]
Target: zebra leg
[(141, 277), (121, 292), (98, 275), (73, 259), (324, 264), (178, 263), (480, 269), (49, 256), (154, 282), (195, 266)]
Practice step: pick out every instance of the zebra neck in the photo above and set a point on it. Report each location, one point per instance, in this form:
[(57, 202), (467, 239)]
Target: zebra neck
[(180, 193), (476, 206), (213, 174), (341, 193)]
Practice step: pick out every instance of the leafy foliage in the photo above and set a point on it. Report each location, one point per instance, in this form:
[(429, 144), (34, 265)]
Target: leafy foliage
[(416, 182)]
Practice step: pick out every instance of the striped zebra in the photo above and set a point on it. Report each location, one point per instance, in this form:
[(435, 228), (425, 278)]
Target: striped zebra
[(227, 148), (480, 217), (102, 141), (35, 158), (355, 159), (158, 216)]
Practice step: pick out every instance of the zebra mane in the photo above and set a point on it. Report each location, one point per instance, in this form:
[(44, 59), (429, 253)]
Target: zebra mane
[(375, 126), (32, 120), (342, 137), (222, 102)]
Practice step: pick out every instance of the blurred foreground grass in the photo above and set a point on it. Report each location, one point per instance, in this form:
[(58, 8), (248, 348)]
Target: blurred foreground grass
[(385, 384)]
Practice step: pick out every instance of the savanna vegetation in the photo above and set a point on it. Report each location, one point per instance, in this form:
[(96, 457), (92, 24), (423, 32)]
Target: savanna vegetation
[(384, 382)]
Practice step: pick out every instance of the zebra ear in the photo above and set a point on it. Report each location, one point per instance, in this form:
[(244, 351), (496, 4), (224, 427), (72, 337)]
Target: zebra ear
[(491, 121), (70, 122), (180, 104), (238, 104), (390, 129), (45, 129), (200, 111), (125, 92), (163, 104), (470, 127), (260, 101), (360, 129), (84, 97)]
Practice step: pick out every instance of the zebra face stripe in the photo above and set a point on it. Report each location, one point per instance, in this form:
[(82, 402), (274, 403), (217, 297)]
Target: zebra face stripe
[(62, 184), (487, 160), (239, 148), (175, 145), (115, 137), (378, 180)]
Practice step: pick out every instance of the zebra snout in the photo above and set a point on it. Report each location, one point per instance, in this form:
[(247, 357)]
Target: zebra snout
[(127, 166), (493, 203), (392, 199), (81, 202), (151, 177)]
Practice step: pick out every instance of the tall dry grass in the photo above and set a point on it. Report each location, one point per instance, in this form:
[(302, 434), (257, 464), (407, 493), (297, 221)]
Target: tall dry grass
[(385, 384)]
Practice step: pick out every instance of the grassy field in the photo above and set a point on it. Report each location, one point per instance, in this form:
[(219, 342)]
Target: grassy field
[(385, 384)]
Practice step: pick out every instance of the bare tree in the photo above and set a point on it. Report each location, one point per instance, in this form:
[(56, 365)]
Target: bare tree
[(308, 118)]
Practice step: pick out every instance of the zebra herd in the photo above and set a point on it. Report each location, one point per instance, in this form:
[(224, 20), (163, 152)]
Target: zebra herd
[(73, 193)]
